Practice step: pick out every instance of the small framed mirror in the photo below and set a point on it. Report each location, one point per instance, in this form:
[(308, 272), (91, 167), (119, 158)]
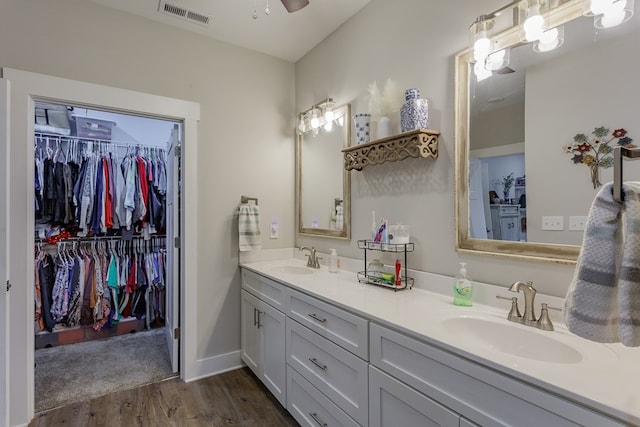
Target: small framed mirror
[(323, 185)]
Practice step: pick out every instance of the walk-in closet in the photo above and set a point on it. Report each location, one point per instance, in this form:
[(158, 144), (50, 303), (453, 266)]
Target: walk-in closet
[(105, 274)]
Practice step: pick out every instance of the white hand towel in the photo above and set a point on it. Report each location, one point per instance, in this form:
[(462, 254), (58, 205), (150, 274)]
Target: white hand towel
[(603, 301), (249, 227)]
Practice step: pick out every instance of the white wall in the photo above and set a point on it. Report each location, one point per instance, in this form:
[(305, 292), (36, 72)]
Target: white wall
[(239, 153), (414, 43)]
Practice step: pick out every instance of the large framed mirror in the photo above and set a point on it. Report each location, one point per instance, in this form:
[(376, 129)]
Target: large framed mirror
[(516, 125), (323, 185)]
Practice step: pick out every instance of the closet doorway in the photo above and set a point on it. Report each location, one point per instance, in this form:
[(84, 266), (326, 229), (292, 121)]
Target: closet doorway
[(106, 186), (26, 89)]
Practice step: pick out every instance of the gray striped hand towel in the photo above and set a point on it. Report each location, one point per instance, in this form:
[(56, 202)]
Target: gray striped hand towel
[(603, 300), (249, 227)]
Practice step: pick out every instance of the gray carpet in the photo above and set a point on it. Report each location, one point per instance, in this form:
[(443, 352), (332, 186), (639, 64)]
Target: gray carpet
[(75, 372)]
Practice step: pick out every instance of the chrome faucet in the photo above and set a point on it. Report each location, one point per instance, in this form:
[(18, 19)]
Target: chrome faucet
[(529, 316), (312, 259)]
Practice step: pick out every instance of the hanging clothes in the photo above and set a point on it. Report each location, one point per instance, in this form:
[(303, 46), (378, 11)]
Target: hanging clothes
[(90, 191), (100, 283)]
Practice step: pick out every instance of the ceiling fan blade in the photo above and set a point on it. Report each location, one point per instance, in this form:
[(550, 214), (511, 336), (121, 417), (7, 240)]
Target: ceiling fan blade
[(294, 5)]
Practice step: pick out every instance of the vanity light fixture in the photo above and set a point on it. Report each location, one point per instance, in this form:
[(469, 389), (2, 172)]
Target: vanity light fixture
[(320, 116), (550, 40)]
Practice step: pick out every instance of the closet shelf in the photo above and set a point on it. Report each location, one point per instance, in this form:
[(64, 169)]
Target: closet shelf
[(421, 143)]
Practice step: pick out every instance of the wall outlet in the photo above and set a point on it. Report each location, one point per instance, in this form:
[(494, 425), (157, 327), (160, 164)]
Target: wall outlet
[(577, 223), (553, 223)]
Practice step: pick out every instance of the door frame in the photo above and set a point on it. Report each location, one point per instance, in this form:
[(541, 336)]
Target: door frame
[(26, 88), (4, 252)]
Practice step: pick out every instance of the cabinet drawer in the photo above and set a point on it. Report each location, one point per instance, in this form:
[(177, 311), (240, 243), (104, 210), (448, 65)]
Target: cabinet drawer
[(270, 291), (481, 395), (509, 210), (391, 404), (340, 375), (310, 407), (345, 329)]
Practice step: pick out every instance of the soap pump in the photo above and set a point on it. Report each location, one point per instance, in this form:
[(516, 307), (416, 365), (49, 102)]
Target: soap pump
[(333, 261), (462, 288)]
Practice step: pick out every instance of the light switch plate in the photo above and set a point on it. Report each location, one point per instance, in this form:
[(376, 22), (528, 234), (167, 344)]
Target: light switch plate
[(553, 223), (577, 223), (273, 230)]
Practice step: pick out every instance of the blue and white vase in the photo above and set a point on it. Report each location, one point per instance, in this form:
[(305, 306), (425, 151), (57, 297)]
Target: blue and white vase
[(363, 127), (414, 114)]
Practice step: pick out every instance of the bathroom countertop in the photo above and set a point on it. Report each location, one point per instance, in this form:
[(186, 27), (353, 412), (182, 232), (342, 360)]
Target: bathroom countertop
[(605, 378)]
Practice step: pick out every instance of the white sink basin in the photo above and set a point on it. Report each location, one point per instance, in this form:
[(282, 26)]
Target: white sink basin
[(511, 338), (294, 269)]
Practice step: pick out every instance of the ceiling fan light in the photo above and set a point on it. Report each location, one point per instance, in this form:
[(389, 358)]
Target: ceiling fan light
[(294, 5)]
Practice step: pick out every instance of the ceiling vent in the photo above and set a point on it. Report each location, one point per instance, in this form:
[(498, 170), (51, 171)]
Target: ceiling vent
[(180, 11)]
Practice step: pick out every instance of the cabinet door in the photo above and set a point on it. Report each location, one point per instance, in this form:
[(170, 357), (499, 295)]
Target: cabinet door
[(249, 333), (509, 228), (337, 373), (392, 403), (311, 408), (271, 324)]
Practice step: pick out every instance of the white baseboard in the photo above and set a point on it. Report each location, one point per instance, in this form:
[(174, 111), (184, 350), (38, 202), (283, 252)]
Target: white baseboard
[(216, 365)]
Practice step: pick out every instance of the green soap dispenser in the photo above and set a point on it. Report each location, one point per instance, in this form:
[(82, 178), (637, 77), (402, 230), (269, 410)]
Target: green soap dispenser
[(463, 288)]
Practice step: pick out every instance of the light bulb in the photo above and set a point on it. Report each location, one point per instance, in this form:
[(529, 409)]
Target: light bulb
[(614, 14), (496, 60), (328, 114), (534, 25), (481, 46), (328, 127), (481, 72), (315, 121)]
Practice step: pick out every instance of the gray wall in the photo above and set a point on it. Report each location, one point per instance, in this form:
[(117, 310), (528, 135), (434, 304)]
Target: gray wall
[(599, 88), (239, 153), (414, 43)]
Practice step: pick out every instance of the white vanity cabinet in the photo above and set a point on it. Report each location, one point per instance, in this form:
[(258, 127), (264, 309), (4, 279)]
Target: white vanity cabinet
[(263, 332), (332, 366), (459, 386), (327, 352)]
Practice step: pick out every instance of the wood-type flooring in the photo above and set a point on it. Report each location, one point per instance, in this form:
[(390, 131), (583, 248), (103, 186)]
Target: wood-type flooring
[(235, 398)]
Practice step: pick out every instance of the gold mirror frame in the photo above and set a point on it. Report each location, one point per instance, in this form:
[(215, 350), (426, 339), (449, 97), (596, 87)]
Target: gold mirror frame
[(564, 254), (345, 233)]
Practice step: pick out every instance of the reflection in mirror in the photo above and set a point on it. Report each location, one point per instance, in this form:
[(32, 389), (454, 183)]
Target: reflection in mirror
[(324, 185), (513, 124)]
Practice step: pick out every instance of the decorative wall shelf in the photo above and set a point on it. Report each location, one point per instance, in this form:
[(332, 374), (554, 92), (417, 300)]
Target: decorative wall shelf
[(416, 143)]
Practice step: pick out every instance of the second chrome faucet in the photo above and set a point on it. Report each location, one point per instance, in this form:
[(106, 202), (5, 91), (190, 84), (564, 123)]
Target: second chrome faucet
[(529, 317), (312, 259)]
